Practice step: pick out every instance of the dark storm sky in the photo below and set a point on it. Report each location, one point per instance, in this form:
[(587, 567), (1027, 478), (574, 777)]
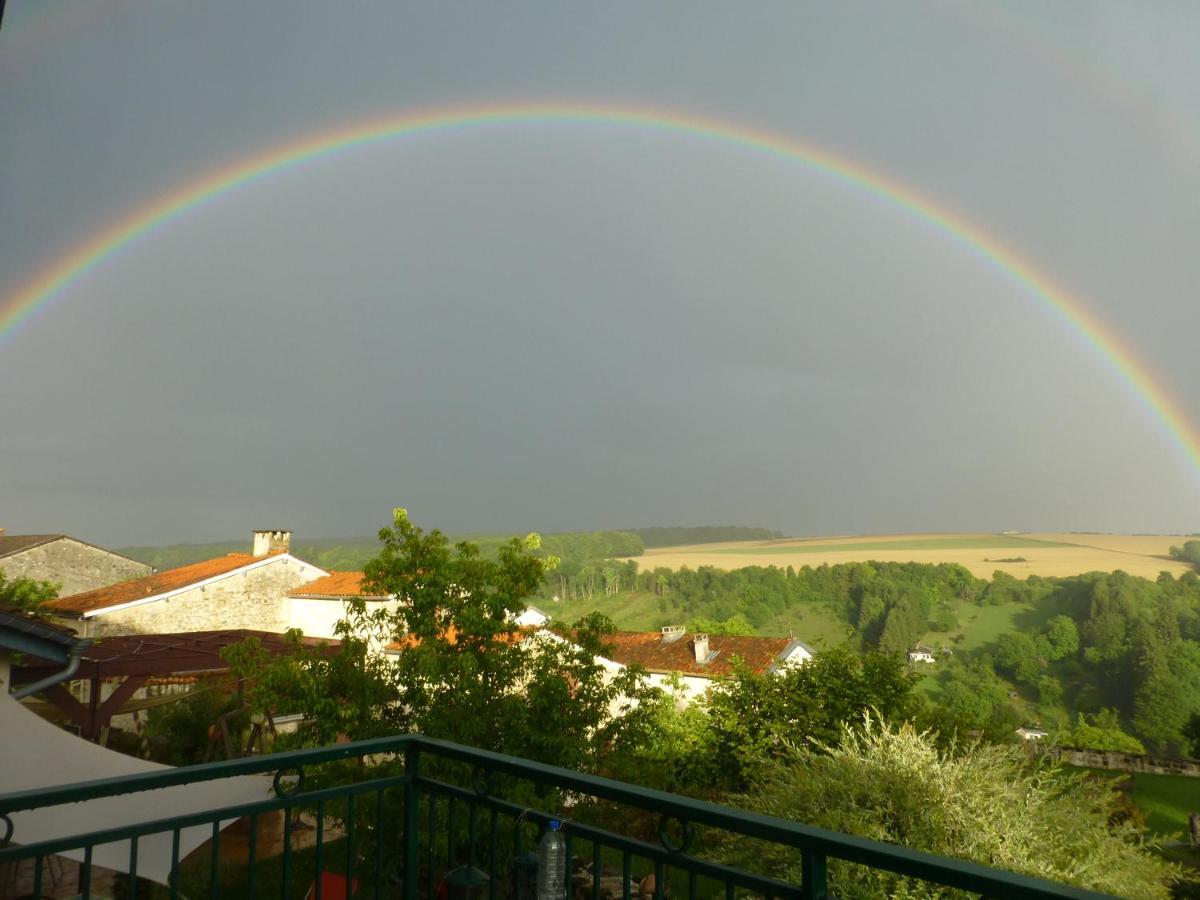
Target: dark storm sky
[(549, 327)]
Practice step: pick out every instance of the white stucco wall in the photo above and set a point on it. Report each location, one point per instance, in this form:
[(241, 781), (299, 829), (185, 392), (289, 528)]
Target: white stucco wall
[(319, 617)]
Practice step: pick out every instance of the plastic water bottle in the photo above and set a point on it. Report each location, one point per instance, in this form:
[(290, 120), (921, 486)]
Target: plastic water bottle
[(552, 863)]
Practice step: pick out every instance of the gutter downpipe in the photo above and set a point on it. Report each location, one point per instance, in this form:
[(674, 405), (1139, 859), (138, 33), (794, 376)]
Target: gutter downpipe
[(75, 655)]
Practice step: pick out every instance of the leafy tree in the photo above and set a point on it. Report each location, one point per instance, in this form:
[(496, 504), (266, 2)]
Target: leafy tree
[(1189, 552), (460, 670), (1102, 733), (1017, 657), (971, 699), (736, 625), (758, 717), (1191, 731), (180, 734), (26, 593), (1061, 638), (985, 803)]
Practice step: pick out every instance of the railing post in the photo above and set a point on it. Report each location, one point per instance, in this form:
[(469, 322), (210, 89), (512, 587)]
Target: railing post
[(412, 768), (812, 866)]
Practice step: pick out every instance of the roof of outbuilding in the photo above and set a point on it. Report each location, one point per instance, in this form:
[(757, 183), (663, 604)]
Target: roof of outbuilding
[(649, 650), (152, 585), (335, 586)]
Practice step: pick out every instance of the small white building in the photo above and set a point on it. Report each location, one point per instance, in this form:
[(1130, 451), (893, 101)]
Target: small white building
[(317, 606), (1032, 733), (532, 617), (921, 654)]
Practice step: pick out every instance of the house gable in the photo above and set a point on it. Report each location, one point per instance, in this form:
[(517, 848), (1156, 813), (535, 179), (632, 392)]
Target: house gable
[(75, 565)]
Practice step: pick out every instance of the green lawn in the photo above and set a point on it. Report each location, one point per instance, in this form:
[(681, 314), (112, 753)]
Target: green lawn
[(1167, 800), (1000, 541)]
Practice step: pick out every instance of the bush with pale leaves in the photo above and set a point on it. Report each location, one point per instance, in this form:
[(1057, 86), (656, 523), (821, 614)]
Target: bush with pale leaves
[(986, 803)]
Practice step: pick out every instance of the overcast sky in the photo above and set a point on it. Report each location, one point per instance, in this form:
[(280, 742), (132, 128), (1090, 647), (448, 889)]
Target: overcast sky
[(572, 327)]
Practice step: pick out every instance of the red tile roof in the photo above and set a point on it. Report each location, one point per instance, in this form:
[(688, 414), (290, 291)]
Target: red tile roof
[(151, 585), (647, 649), (335, 585)]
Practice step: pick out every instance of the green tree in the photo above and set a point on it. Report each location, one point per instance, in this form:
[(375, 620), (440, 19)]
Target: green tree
[(983, 802), (26, 593), (1102, 733), (1061, 638), (754, 718), (1017, 657), (459, 668)]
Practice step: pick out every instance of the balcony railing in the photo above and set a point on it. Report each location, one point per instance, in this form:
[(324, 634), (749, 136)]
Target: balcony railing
[(437, 812)]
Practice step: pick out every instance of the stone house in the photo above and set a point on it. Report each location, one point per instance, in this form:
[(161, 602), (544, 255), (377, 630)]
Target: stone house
[(75, 565), (236, 591)]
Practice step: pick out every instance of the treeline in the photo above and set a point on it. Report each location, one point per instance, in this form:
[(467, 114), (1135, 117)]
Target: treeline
[(573, 549), (678, 535), (1189, 553), (896, 599)]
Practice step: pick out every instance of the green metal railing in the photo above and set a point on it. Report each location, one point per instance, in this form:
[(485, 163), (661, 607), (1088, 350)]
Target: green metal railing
[(437, 812)]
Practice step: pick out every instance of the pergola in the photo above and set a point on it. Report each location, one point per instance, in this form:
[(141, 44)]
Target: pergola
[(132, 660)]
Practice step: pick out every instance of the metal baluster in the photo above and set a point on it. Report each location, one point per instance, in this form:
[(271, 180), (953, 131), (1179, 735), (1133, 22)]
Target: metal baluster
[(173, 878), (320, 854), (493, 852), (38, 862), (287, 851), (412, 817), (379, 844), (626, 875), (214, 872), (451, 831), (729, 890), (568, 882), (812, 867), (691, 885), (350, 804), (432, 842), (596, 865), (658, 881), (252, 855), (132, 888), (85, 876)]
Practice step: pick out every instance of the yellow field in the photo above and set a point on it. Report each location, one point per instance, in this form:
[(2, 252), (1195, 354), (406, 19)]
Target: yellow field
[(1043, 554)]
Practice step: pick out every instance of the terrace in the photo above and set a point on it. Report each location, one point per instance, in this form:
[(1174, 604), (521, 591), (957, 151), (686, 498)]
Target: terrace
[(428, 812)]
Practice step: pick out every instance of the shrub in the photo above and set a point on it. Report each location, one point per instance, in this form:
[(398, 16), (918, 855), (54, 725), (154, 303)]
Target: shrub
[(985, 803)]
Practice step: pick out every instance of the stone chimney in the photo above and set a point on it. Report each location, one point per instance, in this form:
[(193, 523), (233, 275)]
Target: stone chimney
[(700, 645), (267, 542), (672, 633)]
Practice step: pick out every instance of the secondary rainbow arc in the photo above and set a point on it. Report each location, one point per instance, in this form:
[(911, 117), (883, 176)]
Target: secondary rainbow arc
[(1156, 400)]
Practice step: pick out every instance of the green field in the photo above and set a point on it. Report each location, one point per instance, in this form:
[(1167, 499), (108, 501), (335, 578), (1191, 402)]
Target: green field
[(966, 542), (1166, 800)]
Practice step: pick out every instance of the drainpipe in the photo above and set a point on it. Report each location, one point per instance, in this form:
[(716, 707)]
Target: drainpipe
[(75, 654)]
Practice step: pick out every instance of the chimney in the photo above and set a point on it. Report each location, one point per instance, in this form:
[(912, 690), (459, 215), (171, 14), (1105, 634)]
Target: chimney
[(672, 633), (700, 645), (272, 541)]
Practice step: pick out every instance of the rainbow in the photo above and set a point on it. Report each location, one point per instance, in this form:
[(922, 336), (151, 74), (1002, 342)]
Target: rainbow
[(1154, 398)]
